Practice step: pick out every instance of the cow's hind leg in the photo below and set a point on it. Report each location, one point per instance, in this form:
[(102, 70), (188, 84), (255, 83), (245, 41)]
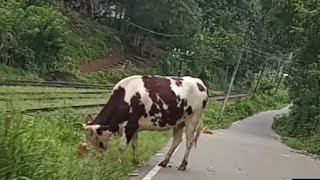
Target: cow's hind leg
[(177, 139), (191, 125), (134, 142)]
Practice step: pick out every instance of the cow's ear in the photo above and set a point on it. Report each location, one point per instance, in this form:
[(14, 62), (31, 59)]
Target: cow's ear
[(89, 119)]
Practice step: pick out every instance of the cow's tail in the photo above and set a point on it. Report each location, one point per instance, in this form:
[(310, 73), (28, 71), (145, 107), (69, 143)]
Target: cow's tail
[(198, 132)]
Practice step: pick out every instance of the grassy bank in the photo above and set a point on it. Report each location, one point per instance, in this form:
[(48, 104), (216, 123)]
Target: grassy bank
[(243, 108), (43, 147), (309, 144)]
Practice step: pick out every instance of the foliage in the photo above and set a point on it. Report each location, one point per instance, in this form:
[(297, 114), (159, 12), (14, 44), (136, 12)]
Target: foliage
[(31, 150), (10, 73), (112, 76), (88, 41), (31, 37), (243, 108), (283, 125), (304, 71), (41, 38)]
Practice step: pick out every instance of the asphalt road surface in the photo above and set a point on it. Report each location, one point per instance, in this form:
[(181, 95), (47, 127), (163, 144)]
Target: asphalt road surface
[(249, 150)]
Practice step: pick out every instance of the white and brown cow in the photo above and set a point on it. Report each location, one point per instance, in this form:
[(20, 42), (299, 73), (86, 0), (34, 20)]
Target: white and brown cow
[(154, 103)]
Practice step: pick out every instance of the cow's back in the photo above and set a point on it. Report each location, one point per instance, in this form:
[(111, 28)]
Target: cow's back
[(162, 101)]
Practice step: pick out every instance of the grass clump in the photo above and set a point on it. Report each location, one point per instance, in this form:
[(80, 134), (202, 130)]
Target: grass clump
[(284, 125), (43, 147), (9, 73)]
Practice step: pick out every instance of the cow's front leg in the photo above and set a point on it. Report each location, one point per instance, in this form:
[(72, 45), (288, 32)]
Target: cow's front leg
[(177, 139), (127, 135), (134, 142), (122, 146)]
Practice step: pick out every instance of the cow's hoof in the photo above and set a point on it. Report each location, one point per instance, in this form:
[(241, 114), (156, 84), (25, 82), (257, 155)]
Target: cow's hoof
[(183, 166), (163, 163)]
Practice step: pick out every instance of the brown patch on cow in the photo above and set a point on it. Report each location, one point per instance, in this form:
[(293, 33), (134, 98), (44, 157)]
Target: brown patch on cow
[(200, 87), (160, 92), (178, 81)]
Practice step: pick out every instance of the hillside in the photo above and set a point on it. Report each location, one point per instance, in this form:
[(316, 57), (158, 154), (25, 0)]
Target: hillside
[(68, 41)]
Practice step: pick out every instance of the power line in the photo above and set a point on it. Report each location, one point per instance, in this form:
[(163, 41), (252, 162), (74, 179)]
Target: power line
[(153, 32)]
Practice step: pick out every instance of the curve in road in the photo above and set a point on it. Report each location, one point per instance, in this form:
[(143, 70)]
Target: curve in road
[(249, 150)]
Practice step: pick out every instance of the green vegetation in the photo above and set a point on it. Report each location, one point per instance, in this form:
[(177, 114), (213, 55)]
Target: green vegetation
[(35, 97), (242, 108), (283, 124), (201, 38), (41, 38), (43, 147), (301, 20), (10, 73)]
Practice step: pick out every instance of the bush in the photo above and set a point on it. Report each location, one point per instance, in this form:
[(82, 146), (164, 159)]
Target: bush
[(33, 37)]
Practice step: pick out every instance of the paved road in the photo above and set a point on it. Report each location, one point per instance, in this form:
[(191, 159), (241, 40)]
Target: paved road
[(249, 150)]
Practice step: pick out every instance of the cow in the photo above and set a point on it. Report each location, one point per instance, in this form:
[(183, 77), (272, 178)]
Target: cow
[(150, 103)]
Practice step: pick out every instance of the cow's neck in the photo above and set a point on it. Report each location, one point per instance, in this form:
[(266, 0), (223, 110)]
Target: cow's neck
[(104, 117)]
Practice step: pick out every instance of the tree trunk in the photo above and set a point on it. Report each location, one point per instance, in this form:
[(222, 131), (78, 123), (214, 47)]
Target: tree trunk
[(259, 79), (230, 87), (226, 75), (281, 77), (89, 8)]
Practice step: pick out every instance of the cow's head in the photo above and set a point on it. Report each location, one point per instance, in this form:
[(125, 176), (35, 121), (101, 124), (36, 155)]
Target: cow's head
[(97, 136)]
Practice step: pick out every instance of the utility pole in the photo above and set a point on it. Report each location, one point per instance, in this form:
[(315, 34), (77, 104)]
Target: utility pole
[(230, 87)]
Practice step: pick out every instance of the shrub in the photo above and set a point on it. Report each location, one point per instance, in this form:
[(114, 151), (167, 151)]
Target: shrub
[(32, 37)]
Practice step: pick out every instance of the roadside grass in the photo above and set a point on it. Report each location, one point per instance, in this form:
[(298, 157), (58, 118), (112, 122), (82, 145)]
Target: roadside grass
[(43, 147), (242, 108), (311, 144), (307, 144)]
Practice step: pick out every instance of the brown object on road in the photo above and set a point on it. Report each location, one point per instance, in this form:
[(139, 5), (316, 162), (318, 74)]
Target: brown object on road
[(206, 130)]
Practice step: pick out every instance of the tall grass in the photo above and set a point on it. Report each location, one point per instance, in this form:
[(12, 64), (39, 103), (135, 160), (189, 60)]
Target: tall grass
[(43, 147), (9, 73)]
